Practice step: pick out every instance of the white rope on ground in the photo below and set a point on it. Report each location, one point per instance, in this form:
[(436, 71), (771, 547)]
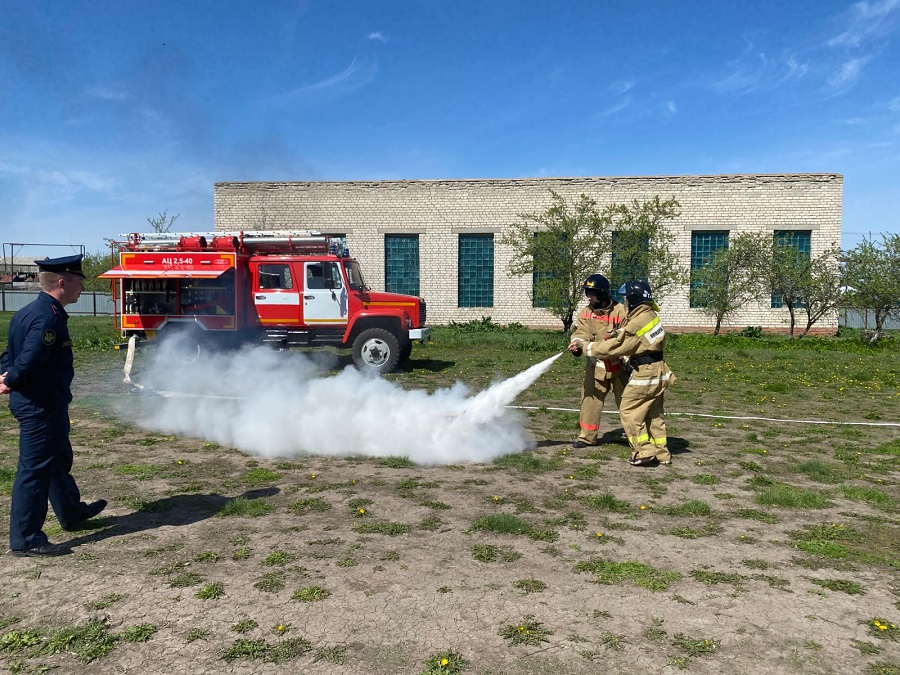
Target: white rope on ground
[(182, 394), (725, 417)]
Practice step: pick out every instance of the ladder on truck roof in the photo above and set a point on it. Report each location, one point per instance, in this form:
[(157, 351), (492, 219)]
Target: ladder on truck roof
[(266, 234), (262, 241)]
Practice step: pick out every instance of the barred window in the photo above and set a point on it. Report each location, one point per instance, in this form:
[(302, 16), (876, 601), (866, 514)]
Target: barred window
[(401, 263), (630, 253), (704, 245), (476, 270), (801, 241), (550, 246)]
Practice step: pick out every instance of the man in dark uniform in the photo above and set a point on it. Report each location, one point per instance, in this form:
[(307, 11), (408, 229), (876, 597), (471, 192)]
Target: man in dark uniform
[(36, 371)]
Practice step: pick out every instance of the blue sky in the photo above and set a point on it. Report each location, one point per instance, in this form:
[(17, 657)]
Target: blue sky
[(111, 111)]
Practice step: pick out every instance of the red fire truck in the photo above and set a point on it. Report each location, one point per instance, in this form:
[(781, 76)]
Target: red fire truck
[(289, 288)]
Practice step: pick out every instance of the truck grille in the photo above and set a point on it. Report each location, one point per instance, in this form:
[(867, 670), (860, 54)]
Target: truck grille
[(423, 314)]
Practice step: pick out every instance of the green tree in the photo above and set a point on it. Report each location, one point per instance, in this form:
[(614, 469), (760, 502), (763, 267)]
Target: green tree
[(163, 222), (559, 248), (644, 245), (94, 264), (802, 283), (873, 278), (730, 277), (785, 269), (822, 287)]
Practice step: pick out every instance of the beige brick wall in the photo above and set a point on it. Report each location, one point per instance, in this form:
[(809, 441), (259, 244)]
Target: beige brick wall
[(440, 210)]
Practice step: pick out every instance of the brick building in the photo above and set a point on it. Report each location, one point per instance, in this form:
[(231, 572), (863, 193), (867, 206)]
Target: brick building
[(441, 238)]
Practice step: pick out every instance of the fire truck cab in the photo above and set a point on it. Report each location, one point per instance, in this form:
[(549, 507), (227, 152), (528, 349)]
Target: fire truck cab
[(288, 288)]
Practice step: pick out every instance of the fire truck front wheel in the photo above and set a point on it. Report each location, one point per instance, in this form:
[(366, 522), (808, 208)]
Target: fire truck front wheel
[(376, 349)]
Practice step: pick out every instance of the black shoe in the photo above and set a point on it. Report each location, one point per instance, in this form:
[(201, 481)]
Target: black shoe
[(643, 461), (581, 444), (94, 508), (91, 510), (47, 550)]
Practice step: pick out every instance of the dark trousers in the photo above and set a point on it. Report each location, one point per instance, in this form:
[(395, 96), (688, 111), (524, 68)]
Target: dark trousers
[(43, 473)]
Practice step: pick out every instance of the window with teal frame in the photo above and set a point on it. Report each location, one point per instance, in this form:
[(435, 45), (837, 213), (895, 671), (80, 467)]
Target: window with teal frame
[(703, 246), (476, 270), (801, 240), (401, 263), (629, 260)]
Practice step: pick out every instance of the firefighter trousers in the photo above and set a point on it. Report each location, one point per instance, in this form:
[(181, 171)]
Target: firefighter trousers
[(593, 395), (642, 417)]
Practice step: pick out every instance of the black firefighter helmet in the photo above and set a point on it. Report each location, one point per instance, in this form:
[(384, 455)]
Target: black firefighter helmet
[(636, 292), (598, 285)]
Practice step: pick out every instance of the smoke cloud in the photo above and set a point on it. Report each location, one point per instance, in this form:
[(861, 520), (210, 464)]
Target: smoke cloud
[(278, 404)]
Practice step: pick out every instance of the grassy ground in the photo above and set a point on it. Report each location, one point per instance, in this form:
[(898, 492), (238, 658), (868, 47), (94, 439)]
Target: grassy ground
[(767, 547)]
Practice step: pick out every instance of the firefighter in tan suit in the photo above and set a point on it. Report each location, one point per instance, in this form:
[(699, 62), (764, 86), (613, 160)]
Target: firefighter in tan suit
[(641, 338), (598, 321)]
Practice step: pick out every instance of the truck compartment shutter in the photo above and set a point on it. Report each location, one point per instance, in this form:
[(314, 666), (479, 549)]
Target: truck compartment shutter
[(119, 273)]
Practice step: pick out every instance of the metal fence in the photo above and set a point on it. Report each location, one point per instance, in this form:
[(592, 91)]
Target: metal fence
[(853, 318), (91, 303)]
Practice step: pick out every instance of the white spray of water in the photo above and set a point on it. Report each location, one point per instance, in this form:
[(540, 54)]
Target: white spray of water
[(281, 407)]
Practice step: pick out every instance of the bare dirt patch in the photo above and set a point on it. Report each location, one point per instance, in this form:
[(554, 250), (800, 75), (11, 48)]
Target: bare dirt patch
[(557, 561)]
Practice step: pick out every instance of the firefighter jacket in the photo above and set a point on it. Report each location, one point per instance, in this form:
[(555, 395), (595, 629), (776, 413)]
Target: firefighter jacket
[(641, 338), (597, 325)]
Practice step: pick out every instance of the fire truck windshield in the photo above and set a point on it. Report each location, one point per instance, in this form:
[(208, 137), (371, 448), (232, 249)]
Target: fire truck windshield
[(354, 276)]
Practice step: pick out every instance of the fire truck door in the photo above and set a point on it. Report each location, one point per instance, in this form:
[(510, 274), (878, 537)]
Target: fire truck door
[(324, 294), (276, 294)]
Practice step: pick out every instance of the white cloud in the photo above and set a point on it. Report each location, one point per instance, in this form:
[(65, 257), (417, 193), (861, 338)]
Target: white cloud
[(106, 93), (354, 76), (864, 20), (619, 106), (757, 71), (620, 87), (848, 74), (671, 107), (378, 36)]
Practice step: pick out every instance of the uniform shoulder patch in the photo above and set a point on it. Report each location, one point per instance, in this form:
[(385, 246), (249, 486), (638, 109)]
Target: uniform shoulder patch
[(49, 337)]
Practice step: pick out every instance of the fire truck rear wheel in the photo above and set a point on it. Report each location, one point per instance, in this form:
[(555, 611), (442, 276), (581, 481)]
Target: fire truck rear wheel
[(376, 349), (188, 345)]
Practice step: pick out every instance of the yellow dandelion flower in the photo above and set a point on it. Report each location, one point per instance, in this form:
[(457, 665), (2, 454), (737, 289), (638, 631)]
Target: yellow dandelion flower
[(181, 461), (496, 498), (312, 475), (571, 477), (599, 534), (882, 627), (643, 507), (444, 662), (280, 627), (521, 629), (362, 512)]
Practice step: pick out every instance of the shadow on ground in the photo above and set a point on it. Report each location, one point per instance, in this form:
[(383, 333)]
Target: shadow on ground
[(177, 510)]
